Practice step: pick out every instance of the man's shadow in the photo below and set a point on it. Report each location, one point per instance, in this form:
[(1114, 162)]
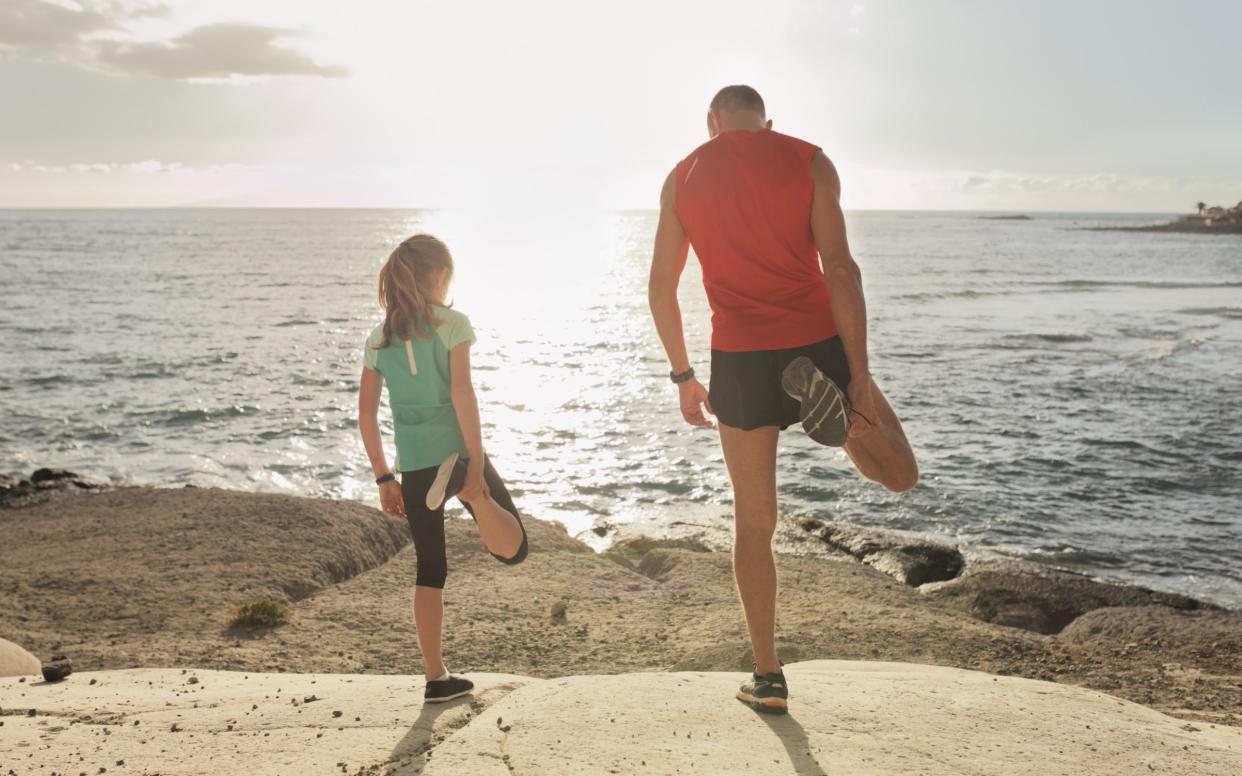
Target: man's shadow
[(409, 756), (796, 743)]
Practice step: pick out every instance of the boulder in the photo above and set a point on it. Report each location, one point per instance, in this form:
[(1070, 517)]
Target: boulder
[(1217, 630), (1039, 598), (912, 560)]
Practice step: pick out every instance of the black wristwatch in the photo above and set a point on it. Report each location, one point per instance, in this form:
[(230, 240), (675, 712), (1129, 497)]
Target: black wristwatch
[(389, 477), (683, 377)]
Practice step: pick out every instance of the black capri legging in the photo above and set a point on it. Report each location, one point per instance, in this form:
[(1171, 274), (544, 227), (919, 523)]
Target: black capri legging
[(427, 526)]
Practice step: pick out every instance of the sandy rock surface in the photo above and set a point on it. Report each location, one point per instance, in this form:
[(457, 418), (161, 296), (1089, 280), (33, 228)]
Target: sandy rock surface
[(173, 722), (15, 661), (847, 718)]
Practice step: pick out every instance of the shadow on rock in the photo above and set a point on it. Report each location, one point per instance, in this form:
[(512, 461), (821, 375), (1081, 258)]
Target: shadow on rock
[(796, 742)]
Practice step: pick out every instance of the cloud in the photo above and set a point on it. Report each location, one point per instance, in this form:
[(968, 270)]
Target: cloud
[(94, 35), (36, 25), (216, 51)]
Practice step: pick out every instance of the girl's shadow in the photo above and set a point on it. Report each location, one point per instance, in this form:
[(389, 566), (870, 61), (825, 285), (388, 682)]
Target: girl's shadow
[(409, 756), (796, 743)]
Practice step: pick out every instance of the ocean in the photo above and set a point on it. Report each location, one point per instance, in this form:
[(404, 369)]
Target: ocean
[(1072, 395)]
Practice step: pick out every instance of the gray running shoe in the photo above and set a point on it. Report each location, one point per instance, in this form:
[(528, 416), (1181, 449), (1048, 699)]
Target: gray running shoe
[(824, 410), (767, 693)]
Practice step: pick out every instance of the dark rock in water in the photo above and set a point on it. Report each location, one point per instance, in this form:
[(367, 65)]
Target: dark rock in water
[(57, 668), (51, 475), (1042, 599), (911, 560), (43, 484)]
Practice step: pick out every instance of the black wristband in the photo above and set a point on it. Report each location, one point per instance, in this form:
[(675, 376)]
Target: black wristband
[(389, 477), (683, 377)]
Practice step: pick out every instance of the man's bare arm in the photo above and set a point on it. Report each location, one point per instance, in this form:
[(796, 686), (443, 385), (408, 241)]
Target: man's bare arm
[(841, 273), (844, 282), (668, 259)]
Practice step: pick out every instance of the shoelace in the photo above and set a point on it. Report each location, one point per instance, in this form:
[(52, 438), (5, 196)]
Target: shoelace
[(859, 414)]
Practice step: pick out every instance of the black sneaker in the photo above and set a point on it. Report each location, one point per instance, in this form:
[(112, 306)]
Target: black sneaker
[(824, 408), (448, 482), (766, 693), (441, 690)]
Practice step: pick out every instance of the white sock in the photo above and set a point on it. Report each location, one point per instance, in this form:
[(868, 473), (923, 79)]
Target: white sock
[(442, 677)]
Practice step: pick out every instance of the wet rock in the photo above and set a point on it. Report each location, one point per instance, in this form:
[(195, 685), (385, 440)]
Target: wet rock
[(42, 476), (1042, 599), (43, 485), (909, 559)]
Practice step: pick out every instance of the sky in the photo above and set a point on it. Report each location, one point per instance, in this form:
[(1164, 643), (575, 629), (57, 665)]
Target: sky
[(1091, 105)]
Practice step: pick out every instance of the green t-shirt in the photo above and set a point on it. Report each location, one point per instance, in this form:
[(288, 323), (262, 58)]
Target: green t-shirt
[(416, 372)]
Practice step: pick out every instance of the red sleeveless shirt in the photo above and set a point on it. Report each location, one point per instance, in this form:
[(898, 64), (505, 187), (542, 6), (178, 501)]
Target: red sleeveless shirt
[(744, 199)]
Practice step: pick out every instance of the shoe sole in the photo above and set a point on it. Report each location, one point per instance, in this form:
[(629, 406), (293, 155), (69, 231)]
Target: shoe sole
[(447, 698), (764, 705), (823, 406), (435, 494)]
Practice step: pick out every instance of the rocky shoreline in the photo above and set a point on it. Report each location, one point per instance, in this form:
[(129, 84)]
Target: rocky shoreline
[(1180, 226), (147, 577)]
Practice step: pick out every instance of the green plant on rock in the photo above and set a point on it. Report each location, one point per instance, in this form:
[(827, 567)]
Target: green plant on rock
[(262, 614)]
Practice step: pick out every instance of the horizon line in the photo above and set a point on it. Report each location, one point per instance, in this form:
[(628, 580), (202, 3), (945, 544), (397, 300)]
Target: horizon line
[(1014, 211)]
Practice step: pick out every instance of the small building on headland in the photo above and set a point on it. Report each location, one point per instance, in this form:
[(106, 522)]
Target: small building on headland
[(1216, 216)]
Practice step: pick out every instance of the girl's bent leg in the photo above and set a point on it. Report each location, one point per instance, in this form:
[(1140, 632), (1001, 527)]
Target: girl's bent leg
[(429, 622), (497, 517)]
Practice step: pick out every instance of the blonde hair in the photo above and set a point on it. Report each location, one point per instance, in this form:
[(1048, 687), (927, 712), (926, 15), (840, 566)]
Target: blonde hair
[(409, 269)]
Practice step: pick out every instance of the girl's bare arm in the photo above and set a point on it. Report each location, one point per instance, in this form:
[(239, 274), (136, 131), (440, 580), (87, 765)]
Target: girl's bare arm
[(370, 387)]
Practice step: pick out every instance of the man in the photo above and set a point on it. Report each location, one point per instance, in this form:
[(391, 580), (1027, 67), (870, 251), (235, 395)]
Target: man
[(789, 334)]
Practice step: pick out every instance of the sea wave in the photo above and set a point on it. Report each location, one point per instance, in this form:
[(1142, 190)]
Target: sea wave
[(1060, 285)]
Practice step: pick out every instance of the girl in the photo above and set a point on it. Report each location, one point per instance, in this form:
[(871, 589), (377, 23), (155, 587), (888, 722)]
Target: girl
[(422, 351)]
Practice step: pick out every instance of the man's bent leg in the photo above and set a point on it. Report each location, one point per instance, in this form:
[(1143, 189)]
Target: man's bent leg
[(751, 459), (884, 455)]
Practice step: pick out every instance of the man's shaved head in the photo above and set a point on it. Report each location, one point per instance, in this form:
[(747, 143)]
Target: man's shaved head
[(738, 97)]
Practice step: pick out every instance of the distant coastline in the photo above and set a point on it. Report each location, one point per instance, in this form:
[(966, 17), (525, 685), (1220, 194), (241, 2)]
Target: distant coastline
[(1209, 220)]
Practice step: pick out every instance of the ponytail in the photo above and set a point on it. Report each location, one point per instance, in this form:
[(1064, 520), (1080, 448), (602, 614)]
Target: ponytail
[(402, 279)]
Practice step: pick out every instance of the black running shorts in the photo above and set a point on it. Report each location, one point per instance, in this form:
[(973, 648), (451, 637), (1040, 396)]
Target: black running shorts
[(746, 390)]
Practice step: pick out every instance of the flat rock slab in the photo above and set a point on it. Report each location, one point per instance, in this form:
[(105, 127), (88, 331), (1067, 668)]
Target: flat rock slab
[(847, 718), (15, 661), (228, 722)]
